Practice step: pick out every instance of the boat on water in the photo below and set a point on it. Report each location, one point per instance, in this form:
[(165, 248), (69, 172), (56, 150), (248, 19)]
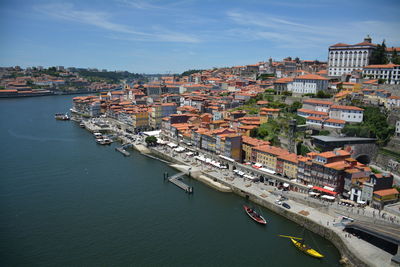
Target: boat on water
[(82, 125), (298, 242), (61, 116), (98, 135), (106, 141), (254, 215)]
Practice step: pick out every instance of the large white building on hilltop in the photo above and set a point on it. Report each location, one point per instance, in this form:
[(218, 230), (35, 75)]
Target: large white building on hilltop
[(344, 58)]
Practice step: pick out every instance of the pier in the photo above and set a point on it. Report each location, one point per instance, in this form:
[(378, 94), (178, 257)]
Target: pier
[(123, 151), (175, 179)]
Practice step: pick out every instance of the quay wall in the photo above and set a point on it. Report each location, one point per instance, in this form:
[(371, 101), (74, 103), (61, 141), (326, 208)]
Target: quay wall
[(351, 258)]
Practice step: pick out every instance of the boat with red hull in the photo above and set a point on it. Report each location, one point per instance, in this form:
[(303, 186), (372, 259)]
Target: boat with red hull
[(254, 215)]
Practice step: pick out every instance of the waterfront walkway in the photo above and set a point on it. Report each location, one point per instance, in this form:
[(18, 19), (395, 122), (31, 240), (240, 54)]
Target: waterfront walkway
[(320, 214), (370, 254)]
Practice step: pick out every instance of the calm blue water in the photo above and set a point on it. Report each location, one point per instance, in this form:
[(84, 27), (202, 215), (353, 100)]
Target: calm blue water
[(66, 201)]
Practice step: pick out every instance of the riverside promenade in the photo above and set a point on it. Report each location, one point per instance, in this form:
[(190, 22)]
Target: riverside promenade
[(355, 251), (315, 217)]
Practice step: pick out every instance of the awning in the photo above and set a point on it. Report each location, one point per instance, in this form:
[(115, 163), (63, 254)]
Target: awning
[(313, 193), (329, 188), (285, 185), (328, 197), (324, 190), (189, 153), (172, 145), (226, 158), (310, 186), (348, 201), (257, 165), (266, 170), (180, 149)]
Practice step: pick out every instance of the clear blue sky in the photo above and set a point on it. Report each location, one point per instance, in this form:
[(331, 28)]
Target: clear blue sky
[(159, 36)]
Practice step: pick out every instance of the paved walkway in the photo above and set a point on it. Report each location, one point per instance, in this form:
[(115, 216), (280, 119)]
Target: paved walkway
[(370, 254)]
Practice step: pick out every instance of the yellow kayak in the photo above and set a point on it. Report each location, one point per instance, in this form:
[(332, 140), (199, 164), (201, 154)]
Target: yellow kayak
[(307, 249)]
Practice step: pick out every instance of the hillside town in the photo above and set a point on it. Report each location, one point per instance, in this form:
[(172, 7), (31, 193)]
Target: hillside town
[(324, 134), (284, 117), (40, 81)]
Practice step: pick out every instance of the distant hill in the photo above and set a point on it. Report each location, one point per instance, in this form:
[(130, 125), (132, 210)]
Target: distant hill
[(110, 76)]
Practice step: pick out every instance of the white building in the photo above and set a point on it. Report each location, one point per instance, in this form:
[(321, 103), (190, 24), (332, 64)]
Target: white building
[(392, 102), (389, 72), (344, 58), (317, 105), (346, 113), (308, 84), (325, 122)]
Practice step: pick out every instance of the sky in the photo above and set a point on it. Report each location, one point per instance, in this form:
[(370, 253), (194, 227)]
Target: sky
[(160, 36)]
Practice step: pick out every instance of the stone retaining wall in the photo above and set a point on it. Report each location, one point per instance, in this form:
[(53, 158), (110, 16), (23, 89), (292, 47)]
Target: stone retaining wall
[(311, 225)]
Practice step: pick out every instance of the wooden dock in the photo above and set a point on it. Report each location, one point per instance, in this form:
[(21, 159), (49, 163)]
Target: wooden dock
[(175, 179)]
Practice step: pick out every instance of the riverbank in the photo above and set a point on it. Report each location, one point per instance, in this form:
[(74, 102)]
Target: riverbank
[(354, 251)]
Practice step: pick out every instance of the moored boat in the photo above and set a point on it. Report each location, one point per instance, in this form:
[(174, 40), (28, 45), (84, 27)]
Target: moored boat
[(306, 249), (106, 141), (254, 215), (298, 242), (61, 116)]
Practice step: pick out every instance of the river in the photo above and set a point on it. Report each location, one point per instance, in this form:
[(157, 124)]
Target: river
[(66, 201)]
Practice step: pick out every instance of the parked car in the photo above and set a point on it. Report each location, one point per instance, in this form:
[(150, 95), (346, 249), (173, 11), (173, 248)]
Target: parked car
[(278, 202), (285, 205)]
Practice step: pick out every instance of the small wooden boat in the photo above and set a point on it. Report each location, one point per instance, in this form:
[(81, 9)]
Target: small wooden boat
[(254, 215), (299, 243)]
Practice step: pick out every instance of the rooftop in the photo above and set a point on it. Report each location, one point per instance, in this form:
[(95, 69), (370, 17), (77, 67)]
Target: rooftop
[(340, 139)]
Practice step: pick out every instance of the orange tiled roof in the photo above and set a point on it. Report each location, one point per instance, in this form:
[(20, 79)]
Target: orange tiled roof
[(290, 157), (335, 121), (386, 192), (318, 102), (277, 151), (382, 66), (346, 107), (310, 111)]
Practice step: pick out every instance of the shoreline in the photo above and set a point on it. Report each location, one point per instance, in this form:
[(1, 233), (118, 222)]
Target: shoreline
[(351, 255)]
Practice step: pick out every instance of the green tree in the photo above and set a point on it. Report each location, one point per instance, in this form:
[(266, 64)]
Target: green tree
[(378, 56), (151, 140), (295, 106), (322, 94), (324, 132), (374, 125), (395, 57)]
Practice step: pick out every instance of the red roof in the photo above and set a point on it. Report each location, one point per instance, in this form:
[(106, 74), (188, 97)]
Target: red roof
[(382, 66), (339, 44), (318, 102), (315, 112), (386, 192), (346, 107), (366, 43), (324, 190)]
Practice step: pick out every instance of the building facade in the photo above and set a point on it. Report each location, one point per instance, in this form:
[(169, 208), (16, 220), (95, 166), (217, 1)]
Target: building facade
[(388, 72), (344, 58)]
